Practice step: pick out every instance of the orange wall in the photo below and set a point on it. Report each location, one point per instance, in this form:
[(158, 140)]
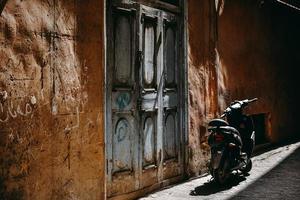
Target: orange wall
[(250, 50), (259, 48), (51, 96), (203, 99)]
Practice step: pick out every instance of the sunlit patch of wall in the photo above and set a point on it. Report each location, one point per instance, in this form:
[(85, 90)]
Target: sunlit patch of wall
[(222, 77), (202, 78)]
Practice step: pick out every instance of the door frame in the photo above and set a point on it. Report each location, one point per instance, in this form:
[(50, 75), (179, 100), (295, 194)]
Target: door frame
[(182, 84)]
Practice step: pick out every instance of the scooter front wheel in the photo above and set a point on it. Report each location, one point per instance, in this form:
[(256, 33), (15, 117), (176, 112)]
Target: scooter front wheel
[(221, 176)]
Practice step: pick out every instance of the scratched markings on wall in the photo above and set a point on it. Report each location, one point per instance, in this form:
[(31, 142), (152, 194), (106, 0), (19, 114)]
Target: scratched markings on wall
[(10, 111), (42, 97)]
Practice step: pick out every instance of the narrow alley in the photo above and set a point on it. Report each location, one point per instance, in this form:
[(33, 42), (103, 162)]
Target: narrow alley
[(118, 99)]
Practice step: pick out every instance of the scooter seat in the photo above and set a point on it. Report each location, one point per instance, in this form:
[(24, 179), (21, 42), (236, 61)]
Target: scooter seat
[(218, 123), (229, 129)]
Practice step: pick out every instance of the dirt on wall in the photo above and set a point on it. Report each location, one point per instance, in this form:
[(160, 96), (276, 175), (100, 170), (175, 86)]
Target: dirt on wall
[(51, 100)]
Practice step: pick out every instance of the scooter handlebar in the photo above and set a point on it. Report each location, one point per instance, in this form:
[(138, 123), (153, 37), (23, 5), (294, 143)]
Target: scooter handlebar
[(237, 105), (252, 100)]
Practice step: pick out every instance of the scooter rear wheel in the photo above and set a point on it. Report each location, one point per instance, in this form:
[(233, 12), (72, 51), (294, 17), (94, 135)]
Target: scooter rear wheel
[(247, 168)]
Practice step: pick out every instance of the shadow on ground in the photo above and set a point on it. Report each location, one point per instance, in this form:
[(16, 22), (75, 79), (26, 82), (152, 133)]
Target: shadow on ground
[(212, 187)]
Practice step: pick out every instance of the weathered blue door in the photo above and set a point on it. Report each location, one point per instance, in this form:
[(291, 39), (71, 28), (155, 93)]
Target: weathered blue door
[(143, 134)]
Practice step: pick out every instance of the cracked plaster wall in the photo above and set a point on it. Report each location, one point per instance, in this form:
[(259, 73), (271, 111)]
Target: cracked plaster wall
[(202, 80), (51, 100), (259, 47), (253, 54)]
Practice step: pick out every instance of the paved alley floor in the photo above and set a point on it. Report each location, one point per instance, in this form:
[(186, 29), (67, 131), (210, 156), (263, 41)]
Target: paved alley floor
[(275, 175)]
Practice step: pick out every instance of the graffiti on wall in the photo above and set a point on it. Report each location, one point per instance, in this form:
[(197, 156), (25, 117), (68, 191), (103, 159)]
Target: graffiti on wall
[(9, 110)]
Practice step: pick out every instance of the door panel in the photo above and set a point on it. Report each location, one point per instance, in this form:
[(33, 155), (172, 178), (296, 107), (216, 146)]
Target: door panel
[(149, 165), (170, 59), (122, 141), (149, 96), (122, 49), (171, 145), (122, 144), (149, 143), (123, 100), (170, 141), (149, 64), (149, 100), (170, 99), (171, 40)]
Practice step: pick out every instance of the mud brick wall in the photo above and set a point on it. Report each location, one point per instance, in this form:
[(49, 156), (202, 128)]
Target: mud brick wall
[(51, 100), (238, 50), (258, 44), (202, 80)]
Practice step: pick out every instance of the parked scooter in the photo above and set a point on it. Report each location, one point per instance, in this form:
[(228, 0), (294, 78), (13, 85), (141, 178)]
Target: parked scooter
[(231, 141)]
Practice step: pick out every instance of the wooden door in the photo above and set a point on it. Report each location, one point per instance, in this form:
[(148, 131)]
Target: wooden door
[(143, 128)]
